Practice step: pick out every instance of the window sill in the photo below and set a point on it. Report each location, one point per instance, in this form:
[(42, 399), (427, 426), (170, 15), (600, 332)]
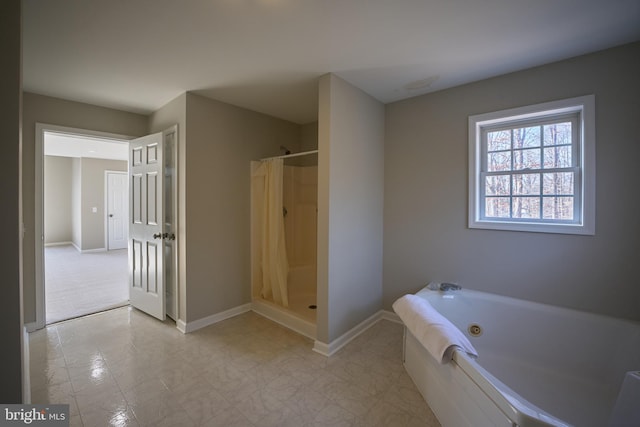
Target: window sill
[(580, 229)]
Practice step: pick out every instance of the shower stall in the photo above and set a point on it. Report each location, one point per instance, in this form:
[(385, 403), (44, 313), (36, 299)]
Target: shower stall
[(284, 194)]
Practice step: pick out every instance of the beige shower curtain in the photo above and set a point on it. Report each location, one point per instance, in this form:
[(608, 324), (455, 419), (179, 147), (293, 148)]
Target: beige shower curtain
[(267, 194)]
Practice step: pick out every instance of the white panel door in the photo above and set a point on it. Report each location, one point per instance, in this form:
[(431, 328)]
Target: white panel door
[(117, 210), (146, 259)]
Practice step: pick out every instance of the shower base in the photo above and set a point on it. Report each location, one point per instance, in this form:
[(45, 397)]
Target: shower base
[(298, 316), (300, 305)]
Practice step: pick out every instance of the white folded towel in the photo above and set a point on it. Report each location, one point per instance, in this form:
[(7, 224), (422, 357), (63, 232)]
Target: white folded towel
[(433, 330)]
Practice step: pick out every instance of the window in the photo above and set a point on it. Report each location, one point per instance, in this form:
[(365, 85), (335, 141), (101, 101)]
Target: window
[(532, 168)]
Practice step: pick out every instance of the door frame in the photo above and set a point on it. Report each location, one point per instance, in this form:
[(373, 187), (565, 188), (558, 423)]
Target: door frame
[(106, 204), (41, 128), (175, 210)]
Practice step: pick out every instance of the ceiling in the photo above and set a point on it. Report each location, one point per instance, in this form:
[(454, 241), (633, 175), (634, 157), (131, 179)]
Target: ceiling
[(266, 55)]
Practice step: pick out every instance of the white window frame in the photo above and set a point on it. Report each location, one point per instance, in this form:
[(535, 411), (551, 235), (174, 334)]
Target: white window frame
[(584, 108)]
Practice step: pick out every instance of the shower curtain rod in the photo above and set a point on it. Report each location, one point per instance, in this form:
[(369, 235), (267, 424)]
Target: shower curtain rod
[(288, 156)]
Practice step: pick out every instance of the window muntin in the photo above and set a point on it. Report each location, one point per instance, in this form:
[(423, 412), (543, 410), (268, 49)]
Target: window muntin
[(529, 169), (533, 168)]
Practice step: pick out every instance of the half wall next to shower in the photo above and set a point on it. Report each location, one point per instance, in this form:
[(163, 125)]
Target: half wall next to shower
[(298, 208)]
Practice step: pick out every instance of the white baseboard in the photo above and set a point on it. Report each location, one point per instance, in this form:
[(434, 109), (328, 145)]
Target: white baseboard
[(391, 316), (31, 326), (47, 245), (187, 327), (298, 325), (322, 348), (26, 371), (181, 325), (335, 345), (88, 251), (282, 317)]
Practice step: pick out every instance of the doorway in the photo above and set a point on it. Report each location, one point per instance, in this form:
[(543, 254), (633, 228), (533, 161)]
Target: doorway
[(85, 217), (92, 210)]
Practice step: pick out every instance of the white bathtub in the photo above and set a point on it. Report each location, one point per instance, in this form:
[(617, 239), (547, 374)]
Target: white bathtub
[(537, 365)]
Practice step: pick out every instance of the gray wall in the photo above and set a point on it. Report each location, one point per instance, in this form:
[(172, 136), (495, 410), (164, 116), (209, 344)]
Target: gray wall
[(92, 195), (221, 140), (10, 215), (76, 199), (426, 179), (217, 142), (350, 207), (309, 137), (57, 199), (54, 111)]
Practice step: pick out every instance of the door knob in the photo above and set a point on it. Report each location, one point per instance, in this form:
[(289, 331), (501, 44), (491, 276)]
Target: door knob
[(157, 236), (110, 215)]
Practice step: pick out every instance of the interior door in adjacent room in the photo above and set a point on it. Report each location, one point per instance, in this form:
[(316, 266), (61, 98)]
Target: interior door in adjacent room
[(117, 210)]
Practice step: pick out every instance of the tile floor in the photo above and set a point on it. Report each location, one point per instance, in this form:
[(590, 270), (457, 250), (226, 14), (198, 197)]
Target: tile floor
[(81, 283), (123, 368)]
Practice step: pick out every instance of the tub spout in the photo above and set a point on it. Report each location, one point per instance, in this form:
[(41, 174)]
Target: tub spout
[(449, 287), (434, 286)]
